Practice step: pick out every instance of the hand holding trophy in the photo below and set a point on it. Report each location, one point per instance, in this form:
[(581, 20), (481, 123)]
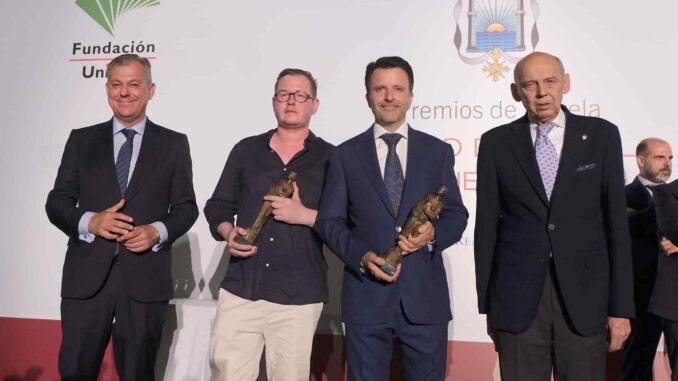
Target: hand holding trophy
[(283, 188), (427, 209)]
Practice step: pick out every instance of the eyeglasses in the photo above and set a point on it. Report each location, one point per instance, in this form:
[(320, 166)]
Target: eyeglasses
[(284, 96)]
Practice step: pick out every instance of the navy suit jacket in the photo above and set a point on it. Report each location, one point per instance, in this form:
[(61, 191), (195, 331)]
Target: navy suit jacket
[(664, 302), (584, 226), (355, 217), (160, 189)]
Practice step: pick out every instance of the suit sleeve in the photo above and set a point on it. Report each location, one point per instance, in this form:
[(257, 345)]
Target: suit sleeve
[(453, 218), (621, 302), (183, 210), (487, 217), (666, 202), (62, 200), (223, 205), (331, 223)]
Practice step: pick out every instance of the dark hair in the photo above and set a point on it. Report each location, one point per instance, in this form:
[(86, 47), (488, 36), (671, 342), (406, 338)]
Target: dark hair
[(308, 75), (125, 59), (388, 63)]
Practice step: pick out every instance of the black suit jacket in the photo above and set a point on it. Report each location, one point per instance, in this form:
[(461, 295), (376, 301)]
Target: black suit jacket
[(644, 242), (664, 301), (160, 189), (584, 226)]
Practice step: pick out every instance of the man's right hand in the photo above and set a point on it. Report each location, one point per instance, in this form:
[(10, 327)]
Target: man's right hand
[(373, 262), (668, 246), (228, 232), (109, 223)]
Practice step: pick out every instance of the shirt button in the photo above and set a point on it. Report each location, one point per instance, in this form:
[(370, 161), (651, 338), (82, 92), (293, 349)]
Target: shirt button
[(285, 169), (398, 229), (271, 239), (267, 265), (552, 227)]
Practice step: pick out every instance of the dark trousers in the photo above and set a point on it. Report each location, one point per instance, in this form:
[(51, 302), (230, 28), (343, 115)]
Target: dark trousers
[(551, 343), (640, 348), (670, 329), (423, 350), (87, 326)]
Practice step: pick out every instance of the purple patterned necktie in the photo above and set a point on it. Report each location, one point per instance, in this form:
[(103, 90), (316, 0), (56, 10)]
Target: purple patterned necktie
[(547, 157)]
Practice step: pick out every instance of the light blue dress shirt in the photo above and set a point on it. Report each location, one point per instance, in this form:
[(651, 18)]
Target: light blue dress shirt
[(118, 141)]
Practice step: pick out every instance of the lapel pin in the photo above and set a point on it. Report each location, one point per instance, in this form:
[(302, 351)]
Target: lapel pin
[(584, 137)]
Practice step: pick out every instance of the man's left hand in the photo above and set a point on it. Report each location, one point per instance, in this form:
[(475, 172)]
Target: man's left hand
[(291, 210), (620, 328), (140, 238), (411, 244)]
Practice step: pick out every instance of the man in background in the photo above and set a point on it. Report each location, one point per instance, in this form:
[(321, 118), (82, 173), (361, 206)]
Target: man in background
[(653, 157)]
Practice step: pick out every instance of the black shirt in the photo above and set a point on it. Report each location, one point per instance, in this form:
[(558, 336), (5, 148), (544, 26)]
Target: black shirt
[(289, 266)]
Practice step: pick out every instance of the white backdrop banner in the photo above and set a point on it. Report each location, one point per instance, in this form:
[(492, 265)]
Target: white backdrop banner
[(215, 63)]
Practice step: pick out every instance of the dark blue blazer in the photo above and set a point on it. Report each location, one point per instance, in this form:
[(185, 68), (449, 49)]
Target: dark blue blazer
[(355, 217), (160, 189), (584, 226)]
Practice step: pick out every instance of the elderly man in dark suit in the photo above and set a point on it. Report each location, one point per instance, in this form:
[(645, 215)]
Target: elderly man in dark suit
[(123, 194), (373, 181), (653, 157), (552, 250)]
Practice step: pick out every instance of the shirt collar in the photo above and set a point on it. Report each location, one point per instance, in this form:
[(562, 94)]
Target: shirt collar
[(139, 127), (309, 139), (645, 181), (558, 121), (379, 130)]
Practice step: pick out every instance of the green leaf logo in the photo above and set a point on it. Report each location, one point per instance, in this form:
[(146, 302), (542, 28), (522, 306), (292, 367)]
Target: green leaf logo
[(107, 12)]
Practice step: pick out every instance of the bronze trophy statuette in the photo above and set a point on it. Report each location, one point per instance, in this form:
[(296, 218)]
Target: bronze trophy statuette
[(427, 209), (283, 189)]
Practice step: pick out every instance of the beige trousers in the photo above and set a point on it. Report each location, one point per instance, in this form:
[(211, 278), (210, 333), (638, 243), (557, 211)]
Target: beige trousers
[(243, 327)]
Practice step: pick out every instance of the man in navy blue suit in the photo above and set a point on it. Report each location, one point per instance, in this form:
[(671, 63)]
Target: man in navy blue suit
[(373, 181)]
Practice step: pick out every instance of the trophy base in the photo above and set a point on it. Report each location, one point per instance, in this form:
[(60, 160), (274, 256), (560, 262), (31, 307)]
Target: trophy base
[(388, 269), (242, 240)]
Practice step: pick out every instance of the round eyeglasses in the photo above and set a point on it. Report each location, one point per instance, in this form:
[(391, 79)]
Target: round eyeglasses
[(284, 96)]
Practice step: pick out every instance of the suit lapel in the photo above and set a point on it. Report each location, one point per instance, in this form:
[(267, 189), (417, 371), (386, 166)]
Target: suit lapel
[(417, 163), (149, 156), (103, 158), (523, 149), (366, 151), (574, 143)]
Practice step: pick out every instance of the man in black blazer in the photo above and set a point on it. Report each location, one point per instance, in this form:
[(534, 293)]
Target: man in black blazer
[(653, 157), (663, 302), (123, 194), (552, 250)]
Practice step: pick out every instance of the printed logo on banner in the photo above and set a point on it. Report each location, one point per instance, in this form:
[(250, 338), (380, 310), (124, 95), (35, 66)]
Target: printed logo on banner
[(106, 13), (494, 33), (95, 56)]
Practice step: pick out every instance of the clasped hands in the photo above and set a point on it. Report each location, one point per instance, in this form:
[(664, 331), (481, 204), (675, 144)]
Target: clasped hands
[(373, 262), (114, 225)]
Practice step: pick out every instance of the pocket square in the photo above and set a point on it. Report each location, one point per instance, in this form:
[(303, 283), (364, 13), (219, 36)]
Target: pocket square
[(586, 167)]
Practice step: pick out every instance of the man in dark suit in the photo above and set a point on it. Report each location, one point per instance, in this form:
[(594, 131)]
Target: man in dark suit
[(663, 302), (552, 250), (123, 194), (653, 157), (373, 181)]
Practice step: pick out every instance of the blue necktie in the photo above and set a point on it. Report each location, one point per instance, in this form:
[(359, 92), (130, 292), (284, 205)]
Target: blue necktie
[(547, 157), (124, 159), (394, 180)]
